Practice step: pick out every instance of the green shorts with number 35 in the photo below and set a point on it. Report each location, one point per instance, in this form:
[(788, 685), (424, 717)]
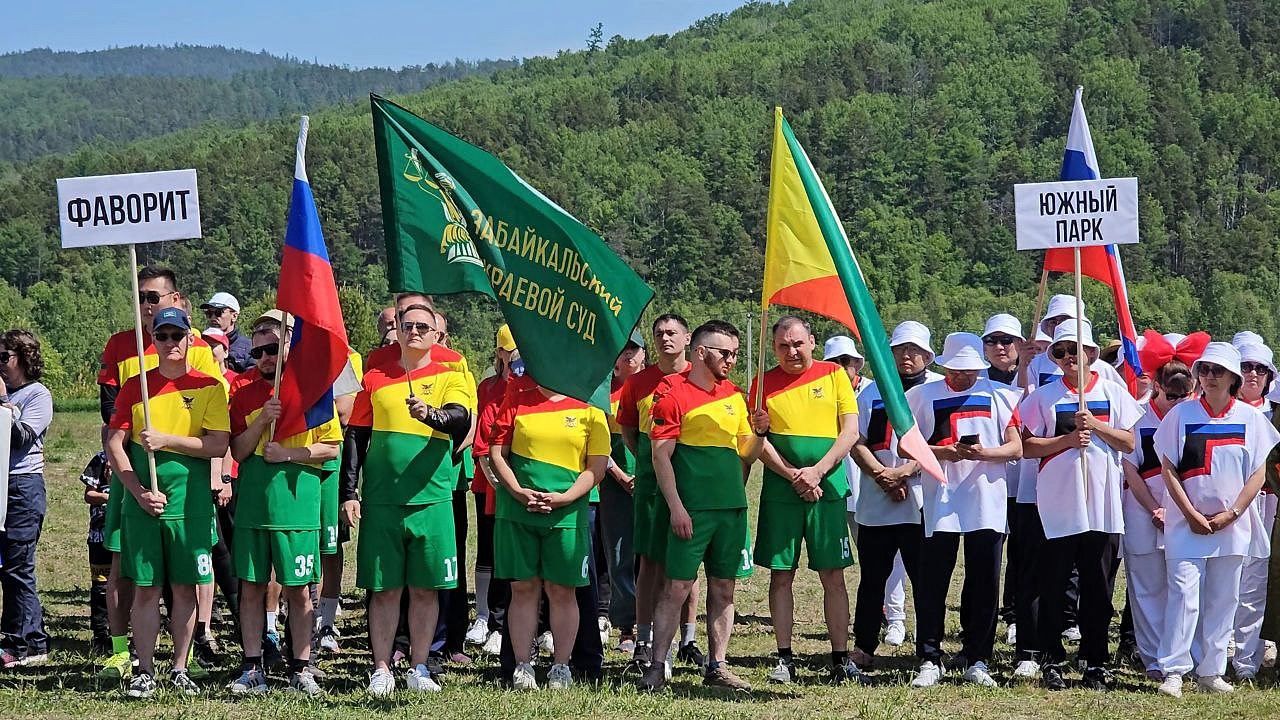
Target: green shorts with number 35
[(293, 554), (721, 540)]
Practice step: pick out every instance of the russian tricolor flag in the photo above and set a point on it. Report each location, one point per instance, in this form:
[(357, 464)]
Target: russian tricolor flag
[(318, 349), (1101, 263)]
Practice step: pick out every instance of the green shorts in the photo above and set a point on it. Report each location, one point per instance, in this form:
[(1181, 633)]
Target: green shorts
[(721, 540), (293, 554), (652, 525), (329, 539), (111, 526), (409, 545), (157, 552), (821, 525), (556, 555)]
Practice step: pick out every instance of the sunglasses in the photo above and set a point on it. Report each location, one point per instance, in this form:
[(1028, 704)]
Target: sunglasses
[(1176, 397), (151, 297), (1059, 353), (725, 353), (212, 313), (272, 349), (847, 360), (419, 327), (993, 340), (1253, 367), (1210, 370), (174, 337), (5, 356)]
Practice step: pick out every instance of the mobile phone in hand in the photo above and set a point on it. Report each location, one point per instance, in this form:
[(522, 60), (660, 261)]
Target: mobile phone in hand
[(969, 439)]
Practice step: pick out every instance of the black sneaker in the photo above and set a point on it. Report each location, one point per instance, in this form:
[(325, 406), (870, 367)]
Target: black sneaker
[(101, 645), (142, 687), (1051, 677), (183, 683), (1127, 655), (689, 653), (643, 655), (271, 655), (1096, 678), (435, 664), (208, 651)]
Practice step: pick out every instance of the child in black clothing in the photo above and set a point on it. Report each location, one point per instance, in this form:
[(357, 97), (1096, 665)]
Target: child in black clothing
[(97, 484)]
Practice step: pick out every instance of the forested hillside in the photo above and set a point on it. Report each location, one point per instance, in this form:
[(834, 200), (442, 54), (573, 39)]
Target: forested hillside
[(920, 116), (59, 101)]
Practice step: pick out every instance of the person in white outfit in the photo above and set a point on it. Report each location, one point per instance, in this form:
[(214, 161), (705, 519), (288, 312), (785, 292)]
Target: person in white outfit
[(1258, 370), (1214, 454), (1143, 543)]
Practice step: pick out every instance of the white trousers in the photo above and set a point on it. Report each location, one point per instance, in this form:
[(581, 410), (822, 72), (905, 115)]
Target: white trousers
[(1199, 614), (895, 588), (1253, 601), (1148, 581)]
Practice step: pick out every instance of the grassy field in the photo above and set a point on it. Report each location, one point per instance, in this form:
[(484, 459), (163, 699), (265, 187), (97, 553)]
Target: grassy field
[(66, 688)]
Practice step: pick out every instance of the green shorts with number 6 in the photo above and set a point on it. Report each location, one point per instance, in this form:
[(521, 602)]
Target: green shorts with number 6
[(157, 552), (721, 540), (293, 554), (556, 555), (820, 525), (407, 545)]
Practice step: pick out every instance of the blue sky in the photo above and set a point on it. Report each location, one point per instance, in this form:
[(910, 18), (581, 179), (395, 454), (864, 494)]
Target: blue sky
[(369, 33)]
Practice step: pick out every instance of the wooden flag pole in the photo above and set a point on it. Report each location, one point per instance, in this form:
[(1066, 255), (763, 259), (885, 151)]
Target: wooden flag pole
[(764, 329), (750, 345), (284, 342), (1035, 318), (1082, 363), (142, 359)]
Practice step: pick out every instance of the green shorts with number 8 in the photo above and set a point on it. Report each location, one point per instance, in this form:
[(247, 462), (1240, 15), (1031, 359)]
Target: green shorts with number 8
[(721, 540), (293, 554), (406, 545), (821, 526), (157, 552), (556, 555)]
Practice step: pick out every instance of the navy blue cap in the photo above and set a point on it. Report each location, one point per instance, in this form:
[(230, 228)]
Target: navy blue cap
[(172, 316)]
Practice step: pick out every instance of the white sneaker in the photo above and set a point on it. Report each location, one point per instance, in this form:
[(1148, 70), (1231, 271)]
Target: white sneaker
[(1072, 634), (478, 633), (559, 677), (547, 643), (605, 628), (1011, 635), (382, 683), (1026, 670), (781, 673), (493, 645), (418, 679), (928, 676), (1268, 654), (666, 669), (896, 634), (1172, 686), (523, 678), (1213, 684), (1231, 647), (978, 674)]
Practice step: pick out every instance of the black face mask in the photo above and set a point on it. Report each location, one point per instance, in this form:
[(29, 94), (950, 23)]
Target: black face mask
[(1002, 376), (910, 381)]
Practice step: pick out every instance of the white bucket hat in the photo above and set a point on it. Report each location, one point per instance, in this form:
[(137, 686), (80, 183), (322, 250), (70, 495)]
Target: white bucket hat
[(962, 351), (1060, 305), (1258, 353), (1066, 332), (838, 345), (1042, 336), (910, 331), (1003, 323), (1219, 353), (1245, 337)]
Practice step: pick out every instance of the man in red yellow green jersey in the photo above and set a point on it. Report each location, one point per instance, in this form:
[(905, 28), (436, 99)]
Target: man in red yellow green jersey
[(702, 435), (651, 522), (157, 290), (617, 506), (167, 532), (278, 513), (407, 422), (548, 452), (813, 425)]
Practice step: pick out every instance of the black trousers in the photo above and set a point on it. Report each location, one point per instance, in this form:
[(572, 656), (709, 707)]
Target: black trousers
[(99, 569), (1094, 555), (979, 600), (454, 608), (1028, 558), (1009, 596), (877, 546)]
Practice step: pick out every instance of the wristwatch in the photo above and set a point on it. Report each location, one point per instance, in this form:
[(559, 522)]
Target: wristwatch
[(1234, 511)]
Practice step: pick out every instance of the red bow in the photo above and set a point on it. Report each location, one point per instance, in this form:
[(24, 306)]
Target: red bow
[(1156, 352)]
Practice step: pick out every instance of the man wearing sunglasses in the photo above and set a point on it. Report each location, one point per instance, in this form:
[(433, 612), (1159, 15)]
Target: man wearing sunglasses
[(222, 311), (702, 435), (813, 421), (278, 514), (157, 291), (1082, 519), (409, 419), (166, 533)]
